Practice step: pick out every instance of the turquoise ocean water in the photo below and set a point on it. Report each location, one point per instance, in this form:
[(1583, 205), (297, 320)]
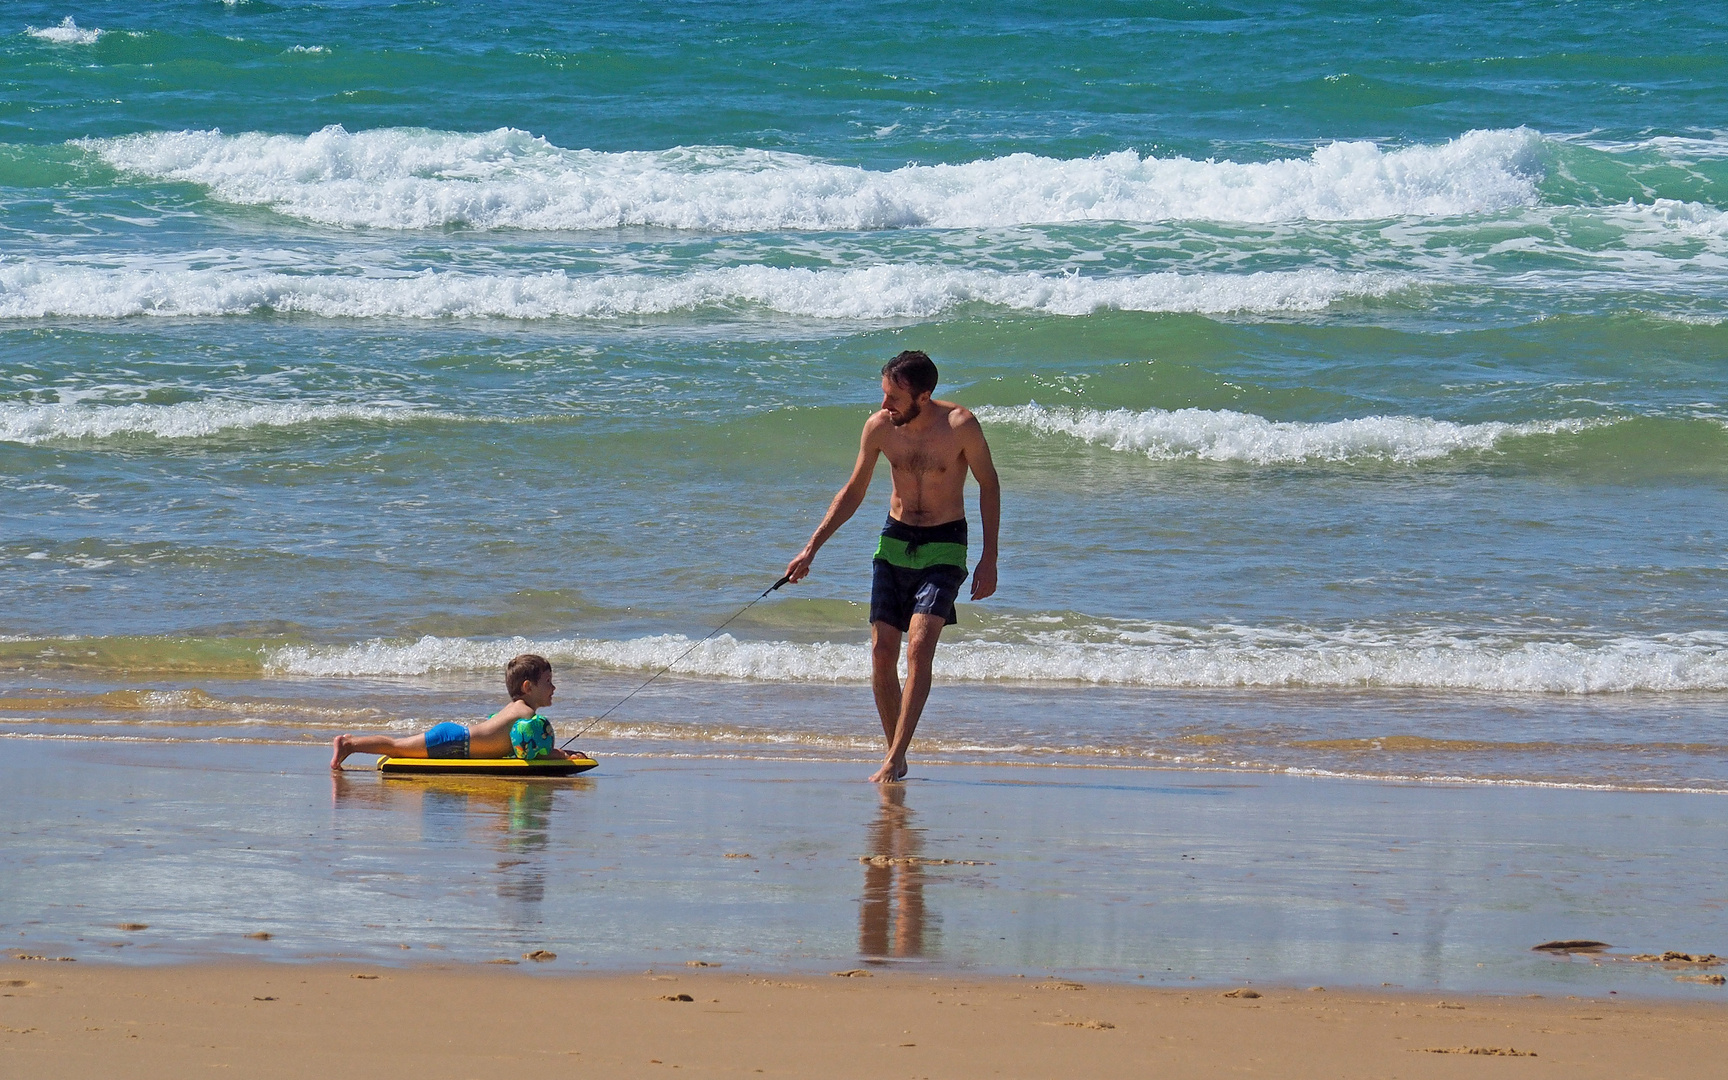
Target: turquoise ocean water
[(1356, 372)]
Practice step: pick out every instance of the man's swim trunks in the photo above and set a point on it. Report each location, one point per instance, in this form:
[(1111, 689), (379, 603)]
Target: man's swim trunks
[(918, 571), (449, 740)]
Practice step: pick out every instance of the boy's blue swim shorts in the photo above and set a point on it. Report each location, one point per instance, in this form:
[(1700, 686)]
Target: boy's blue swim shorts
[(447, 740)]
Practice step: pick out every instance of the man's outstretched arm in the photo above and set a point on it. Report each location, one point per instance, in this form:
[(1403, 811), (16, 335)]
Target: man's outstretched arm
[(989, 504), (846, 503)]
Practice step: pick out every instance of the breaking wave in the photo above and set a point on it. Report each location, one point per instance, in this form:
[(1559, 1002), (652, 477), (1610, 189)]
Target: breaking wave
[(67, 33), (40, 290), (1223, 657), (1224, 435), (30, 424), (413, 178)]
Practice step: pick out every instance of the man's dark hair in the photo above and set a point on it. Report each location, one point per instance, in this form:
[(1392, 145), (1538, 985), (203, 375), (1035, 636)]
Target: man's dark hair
[(912, 370), (529, 667)]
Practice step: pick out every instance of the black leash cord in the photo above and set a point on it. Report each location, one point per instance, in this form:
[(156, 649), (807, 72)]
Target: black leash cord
[(674, 663)]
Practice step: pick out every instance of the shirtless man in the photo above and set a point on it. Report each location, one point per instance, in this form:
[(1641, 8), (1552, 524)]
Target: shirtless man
[(921, 557)]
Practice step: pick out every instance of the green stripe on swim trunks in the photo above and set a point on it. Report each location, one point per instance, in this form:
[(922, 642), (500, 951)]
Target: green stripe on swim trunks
[(895, 553)]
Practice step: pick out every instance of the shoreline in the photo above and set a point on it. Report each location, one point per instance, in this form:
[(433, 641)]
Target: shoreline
[(1491, 740), (474, 1021), (942, 760)]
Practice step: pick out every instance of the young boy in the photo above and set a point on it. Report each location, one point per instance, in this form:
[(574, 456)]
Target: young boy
[(529, 680)]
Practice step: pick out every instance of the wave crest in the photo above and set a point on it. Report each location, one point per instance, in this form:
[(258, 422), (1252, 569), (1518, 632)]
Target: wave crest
[(40, 290), (412, 178), (31, 424), (1225, 435), (1225, 657), (67, 33)]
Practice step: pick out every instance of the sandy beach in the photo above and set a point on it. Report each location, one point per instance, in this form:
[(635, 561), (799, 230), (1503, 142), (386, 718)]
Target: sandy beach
[(335, 1020)]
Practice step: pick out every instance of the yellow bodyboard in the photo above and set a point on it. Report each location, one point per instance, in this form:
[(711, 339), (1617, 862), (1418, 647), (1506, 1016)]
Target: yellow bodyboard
[(399, 766)]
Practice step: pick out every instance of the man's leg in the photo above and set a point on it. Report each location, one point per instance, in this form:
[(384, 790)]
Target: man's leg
[(926, 631), (885, 676)]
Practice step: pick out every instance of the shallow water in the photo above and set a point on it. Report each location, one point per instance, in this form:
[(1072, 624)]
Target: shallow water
[(1640, 742), (1324, 349), (1115, 874)]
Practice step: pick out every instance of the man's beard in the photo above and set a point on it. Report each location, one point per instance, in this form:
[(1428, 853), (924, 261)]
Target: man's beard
[(902, 419)]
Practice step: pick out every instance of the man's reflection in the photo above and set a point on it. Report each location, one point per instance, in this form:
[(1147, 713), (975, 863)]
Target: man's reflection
[(891, 914)]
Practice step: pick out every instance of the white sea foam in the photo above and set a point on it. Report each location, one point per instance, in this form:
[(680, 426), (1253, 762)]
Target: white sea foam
[(30, 290), (36, 423), (1689, 219), (1676, 148), (410, 178), (1224, 435), (67, 33), (1220, 657)]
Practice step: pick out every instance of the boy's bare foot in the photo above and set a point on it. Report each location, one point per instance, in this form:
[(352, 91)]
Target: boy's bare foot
[(339, 752)]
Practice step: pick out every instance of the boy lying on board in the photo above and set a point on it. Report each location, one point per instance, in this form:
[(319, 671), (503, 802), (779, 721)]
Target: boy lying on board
[(528, 678)]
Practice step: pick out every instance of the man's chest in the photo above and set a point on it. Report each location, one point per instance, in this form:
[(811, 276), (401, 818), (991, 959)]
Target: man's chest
[(927, 455)]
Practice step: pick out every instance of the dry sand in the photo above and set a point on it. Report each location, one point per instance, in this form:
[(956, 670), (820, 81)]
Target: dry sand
[(332, 1021)]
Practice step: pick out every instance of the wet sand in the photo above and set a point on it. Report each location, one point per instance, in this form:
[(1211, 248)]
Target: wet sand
[(136, 854), (338, 1020), (225, 906)]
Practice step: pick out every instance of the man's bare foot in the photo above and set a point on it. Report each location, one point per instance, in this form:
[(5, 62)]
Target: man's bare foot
[(891, 772), (339, 752)]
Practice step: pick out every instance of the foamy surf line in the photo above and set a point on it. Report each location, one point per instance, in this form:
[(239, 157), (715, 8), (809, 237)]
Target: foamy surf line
[(38, 290), (413, 178), (1226, 436), (1077, 759), (32, 424), (871, 755), (1672, 663), (159, 740)]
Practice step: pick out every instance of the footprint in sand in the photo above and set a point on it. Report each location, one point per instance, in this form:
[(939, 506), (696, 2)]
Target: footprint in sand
[(1090, 1025)]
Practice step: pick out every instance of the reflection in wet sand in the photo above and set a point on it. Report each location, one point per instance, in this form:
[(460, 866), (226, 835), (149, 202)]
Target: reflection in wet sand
[(513, 816), (891, 919)]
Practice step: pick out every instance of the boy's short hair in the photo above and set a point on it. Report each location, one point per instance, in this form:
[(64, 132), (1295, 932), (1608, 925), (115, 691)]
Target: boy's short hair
[(914, 370), (529, 667)]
